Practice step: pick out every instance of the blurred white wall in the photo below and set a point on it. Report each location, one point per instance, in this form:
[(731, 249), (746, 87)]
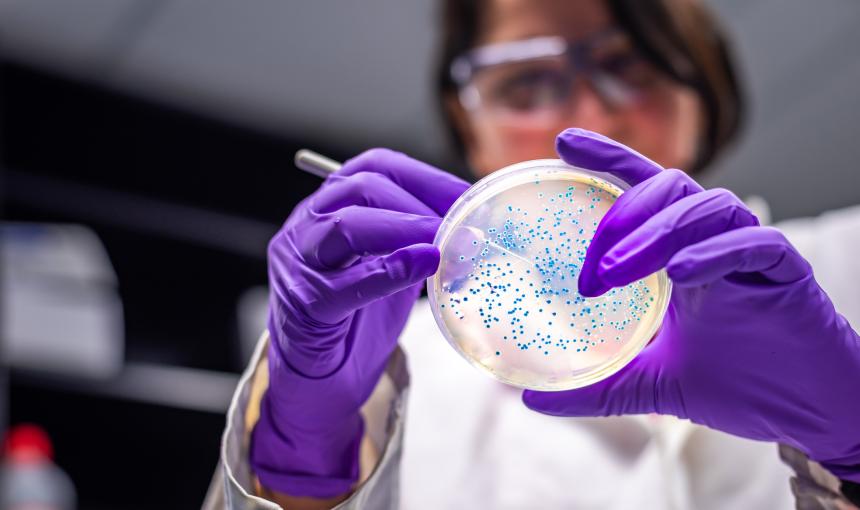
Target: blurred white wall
[(801, 61), (361, 72)]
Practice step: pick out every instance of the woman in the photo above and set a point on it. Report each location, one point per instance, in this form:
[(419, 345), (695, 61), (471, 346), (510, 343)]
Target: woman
[(319, 418)]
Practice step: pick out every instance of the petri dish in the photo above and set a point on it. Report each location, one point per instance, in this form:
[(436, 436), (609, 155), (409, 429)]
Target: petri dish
[(505, 295)]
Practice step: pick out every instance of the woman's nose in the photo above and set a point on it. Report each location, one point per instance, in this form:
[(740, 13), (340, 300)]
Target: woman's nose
[(592, 111)]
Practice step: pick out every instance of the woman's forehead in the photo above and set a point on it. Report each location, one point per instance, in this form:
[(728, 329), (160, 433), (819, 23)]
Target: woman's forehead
[(509, 20)]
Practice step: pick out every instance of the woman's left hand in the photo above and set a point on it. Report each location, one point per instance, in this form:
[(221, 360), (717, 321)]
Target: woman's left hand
[(750, 345)]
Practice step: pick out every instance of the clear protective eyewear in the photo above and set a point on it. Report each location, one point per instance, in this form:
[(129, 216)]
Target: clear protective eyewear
[(534, 79)]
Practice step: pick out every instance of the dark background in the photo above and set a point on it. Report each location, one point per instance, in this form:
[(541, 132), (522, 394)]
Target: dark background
[(169, 127), (77, 153)]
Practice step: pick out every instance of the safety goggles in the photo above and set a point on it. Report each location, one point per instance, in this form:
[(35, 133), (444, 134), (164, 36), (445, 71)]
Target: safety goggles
[(536, 79)]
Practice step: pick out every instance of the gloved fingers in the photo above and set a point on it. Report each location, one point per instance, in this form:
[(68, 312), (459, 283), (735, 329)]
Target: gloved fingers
[(688, 221), (364, 283), (633, 208), (592, 151), (367, 189), (327, 297), (435, 188), (337, 239), (761, 250), (632, 390)]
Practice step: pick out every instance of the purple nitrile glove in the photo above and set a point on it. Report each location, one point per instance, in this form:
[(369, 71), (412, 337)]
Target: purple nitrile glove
[(750, 344), (344, 272)]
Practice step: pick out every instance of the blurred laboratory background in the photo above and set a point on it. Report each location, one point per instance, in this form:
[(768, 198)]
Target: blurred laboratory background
[(147, 158)]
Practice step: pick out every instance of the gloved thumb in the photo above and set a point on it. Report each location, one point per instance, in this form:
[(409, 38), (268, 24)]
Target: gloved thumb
[(632, 390), (391, 273), (329, 297), (587, 149)]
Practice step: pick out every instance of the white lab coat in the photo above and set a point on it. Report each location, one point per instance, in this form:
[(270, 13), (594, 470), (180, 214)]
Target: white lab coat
[(454, 438)]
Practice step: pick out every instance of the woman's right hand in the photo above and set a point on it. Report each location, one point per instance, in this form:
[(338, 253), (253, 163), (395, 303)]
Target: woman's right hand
[(344, 272)]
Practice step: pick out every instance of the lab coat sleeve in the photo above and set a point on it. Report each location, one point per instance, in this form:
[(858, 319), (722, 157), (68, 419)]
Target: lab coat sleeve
[(829, 243), (232, 486), (814, 487)]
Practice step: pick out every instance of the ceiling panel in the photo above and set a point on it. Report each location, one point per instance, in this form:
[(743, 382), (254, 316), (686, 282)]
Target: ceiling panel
[(324, 68), (81, 37)]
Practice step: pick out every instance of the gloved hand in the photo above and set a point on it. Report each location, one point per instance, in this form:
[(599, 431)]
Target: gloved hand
[(750, 344), (344, 272)]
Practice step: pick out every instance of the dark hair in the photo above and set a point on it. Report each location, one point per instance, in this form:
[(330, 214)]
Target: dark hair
[(679, 37)]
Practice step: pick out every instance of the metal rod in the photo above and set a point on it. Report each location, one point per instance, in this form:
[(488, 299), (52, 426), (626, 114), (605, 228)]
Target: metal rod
[(316, 164)]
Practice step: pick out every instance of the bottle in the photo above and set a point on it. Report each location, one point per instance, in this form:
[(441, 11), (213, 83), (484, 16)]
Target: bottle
[(29, 479)]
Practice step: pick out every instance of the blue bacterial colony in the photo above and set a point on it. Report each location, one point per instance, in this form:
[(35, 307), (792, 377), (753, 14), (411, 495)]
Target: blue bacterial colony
[(507, 287)]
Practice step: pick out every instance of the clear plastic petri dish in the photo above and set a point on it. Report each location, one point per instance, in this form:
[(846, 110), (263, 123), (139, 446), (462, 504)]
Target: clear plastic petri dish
[(505, 295)]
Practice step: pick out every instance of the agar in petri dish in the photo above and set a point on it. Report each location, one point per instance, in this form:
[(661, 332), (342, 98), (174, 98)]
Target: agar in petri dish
[(505, 295)]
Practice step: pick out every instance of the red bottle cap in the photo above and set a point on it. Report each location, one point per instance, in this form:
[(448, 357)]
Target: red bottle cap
[(27, 443)]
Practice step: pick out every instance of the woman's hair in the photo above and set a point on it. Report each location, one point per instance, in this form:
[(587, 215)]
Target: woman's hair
[(679, 37)]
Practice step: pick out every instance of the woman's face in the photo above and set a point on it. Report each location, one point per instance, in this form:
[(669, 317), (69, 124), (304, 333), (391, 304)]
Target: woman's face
[(663, 122)]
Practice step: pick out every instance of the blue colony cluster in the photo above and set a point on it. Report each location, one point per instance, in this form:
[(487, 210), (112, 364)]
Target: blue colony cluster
[(524, 271)]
